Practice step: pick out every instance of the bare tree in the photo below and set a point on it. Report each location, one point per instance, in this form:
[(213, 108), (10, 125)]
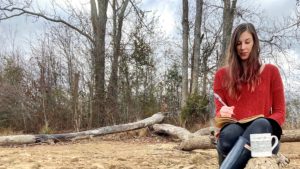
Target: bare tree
[(99, 18), (112, 91), (228, 17), (197, 43), (185, 39), (75, 102)]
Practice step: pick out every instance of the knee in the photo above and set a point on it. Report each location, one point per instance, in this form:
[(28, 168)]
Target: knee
[(262, 125), (224, 146), (262, 122), (227, 138)]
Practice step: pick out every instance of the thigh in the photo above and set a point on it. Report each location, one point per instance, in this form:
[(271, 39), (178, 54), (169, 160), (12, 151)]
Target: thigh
[(261, 125), (228, 136)]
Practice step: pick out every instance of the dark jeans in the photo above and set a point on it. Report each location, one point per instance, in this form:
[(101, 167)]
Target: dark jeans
[(230, 134)]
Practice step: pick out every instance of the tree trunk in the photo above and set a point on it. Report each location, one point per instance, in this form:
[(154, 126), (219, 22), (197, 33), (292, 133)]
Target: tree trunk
[(205, 68), (99, 19), (112, 93), (126, 89), (205, 74), (43, 89), (185, 53), (197, 44), (228, 18), (76, 112), (90, 103), (29, 139)]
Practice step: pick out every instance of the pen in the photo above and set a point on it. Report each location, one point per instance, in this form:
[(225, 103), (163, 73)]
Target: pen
[(219, 99)]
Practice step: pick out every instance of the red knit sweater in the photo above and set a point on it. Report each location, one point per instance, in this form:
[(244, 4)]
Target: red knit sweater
[(267, 99)]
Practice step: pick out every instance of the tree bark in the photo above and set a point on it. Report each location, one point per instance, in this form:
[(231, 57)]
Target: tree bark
[(75, 102), (190, 141), (112, 90), (29, 139), (99, 18), (197, 44), (181, 133), (290, 136), (185, 46), (207, 52), (228, 18)]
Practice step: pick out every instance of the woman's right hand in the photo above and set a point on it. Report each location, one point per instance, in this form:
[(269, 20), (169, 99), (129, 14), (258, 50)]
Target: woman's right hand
[(226, 111)]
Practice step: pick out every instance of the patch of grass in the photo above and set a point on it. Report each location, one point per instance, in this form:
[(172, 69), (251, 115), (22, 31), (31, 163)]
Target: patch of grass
[(8, 131), (195, 110), (46, 130)]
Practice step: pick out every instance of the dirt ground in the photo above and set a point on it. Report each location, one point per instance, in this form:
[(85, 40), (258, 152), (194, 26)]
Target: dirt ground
[(119, 152)]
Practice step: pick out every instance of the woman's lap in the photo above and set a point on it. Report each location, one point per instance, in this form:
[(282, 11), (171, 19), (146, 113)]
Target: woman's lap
[(230, 133)]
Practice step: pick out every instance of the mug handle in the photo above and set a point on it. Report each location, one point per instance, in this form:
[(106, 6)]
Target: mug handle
[(276, 142)]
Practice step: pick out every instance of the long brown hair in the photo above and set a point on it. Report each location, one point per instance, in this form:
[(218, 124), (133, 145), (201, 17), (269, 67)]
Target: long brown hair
[(237, 73)]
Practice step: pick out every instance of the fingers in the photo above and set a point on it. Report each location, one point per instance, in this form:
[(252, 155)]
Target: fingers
[(227, 111), (226, 115)]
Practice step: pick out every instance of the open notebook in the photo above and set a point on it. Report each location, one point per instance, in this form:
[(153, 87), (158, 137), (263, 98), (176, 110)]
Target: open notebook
[(221, 121)]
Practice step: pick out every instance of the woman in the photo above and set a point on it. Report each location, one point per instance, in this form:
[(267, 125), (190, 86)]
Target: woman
[(252, 94)]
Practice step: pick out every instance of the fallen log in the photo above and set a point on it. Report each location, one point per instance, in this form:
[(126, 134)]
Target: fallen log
[(179, 132), (203, 140), (290, 136), (192, 141), (197, 142), (189, 141), (29, 139)]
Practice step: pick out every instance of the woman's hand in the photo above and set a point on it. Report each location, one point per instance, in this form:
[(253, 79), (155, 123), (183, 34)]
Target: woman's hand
[(226, 111)]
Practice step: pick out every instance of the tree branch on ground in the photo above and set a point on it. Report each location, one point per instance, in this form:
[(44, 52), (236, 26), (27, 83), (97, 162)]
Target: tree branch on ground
[(202, 139), (40, 138)]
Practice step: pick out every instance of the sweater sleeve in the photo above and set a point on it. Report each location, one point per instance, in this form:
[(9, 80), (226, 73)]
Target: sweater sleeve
[(218, 89), (278, 99)]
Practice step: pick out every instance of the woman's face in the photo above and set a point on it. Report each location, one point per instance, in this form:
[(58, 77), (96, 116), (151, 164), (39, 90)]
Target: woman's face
[(244, 45)]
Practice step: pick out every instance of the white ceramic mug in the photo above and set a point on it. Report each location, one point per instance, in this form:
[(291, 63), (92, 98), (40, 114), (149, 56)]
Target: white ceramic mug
[(261, 144)]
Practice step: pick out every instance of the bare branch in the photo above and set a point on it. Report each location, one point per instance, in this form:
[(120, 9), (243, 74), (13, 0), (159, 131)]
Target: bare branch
[(57, 20), (12, 16), (140, 14)]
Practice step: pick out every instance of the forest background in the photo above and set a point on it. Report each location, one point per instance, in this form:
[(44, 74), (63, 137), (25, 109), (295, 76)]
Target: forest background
[(96, 63)]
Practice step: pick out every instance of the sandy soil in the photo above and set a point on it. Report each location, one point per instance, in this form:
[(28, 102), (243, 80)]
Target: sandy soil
[(115, 152)]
